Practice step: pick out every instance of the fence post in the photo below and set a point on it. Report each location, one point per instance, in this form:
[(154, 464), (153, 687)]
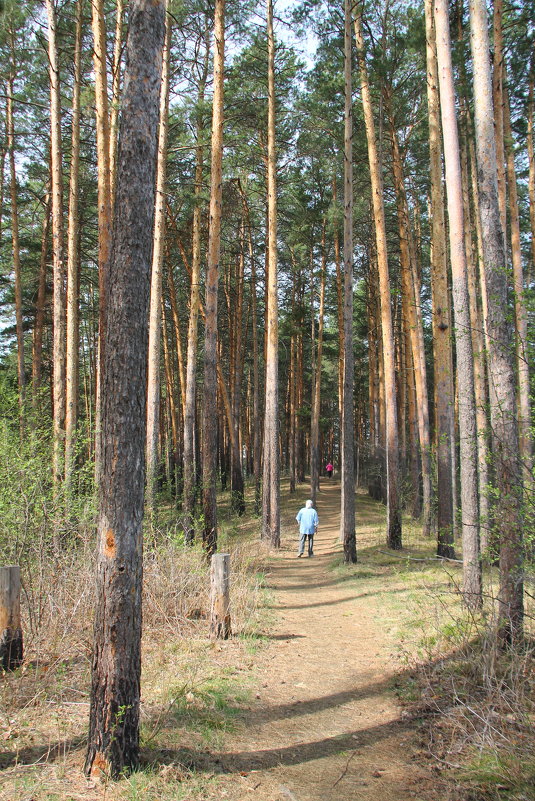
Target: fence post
[(220, 596), (10, 628)]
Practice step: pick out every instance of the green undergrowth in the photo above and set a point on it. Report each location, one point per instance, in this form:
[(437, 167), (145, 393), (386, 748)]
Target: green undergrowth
[(473, 703)]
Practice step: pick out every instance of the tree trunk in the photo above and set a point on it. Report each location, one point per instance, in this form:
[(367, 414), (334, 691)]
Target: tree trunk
[(73, 279), (155, 315), (115, 95), (189, 469), (115, 685), (316, 401), (57, 249), (521, 320), (411, 288), (498, 100), (271, 469), (531, 158), (463, 341), (10, 129), (500, 357), (209, 447), (392, 439), (37, 345), (347, 511), (104, 193), (442, 334)]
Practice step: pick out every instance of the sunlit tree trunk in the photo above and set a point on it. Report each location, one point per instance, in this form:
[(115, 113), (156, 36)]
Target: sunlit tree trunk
[(271, 468), (465, 367), (113, 742), (73, 279), (57, 249), (442, 331), (410, 286), (155, 314), (531, 159), (15, 248), (521, 319), (347, 512), (392, 438), (500, 357), (190, 473), (497, 101), (209, 446), (37, 345), (115, 94), (316, 401)]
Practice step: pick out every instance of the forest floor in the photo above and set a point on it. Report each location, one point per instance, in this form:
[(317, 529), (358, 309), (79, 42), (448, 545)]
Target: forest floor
[(325, 723), (315, 701)]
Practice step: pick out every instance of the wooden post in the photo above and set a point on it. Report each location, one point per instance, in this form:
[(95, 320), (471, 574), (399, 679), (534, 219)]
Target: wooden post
[(220, 596), (10, 628)]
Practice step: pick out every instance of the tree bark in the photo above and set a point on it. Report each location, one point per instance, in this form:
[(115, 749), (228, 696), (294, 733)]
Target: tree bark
[(209, 446), (316, 401), (104, 194), (155, 314), (10, 130), (113, 744), (472, 586), (392, 439), (521, 319), (73, 279), (347, 511), (271, 468), (411, 288), (190, 473), (500, 356), (57, 250)]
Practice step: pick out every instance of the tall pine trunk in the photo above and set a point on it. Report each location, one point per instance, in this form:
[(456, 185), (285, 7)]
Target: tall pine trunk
[(347, 512), (73, 279), (392, 437), (209, 445), (463, 341), (113, 743), (58, 369), (155, 314), (500, 356), (271, 469)]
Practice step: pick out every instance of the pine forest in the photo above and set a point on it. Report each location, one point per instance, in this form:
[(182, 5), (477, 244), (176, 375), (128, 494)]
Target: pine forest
[(256, 259)]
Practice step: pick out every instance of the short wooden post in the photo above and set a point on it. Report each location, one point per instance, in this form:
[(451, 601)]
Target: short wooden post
[(220, 596), (10, 628)]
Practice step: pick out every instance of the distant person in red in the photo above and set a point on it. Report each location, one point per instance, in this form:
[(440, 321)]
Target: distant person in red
[(329, 468)]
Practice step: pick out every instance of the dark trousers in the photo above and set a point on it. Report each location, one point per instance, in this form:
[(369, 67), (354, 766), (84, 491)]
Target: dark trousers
[(302, 539)]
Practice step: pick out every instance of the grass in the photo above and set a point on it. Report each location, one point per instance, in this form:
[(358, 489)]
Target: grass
[(194, 690)]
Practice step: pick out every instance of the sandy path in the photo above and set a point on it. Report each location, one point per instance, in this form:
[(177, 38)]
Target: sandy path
[(325, 725)]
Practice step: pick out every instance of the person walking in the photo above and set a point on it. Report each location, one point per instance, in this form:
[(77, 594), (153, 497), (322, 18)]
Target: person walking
[(329, 468), (308, 520)]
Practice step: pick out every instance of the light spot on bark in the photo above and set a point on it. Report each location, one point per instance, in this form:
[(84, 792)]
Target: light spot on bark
[(100, 766), (110, 548)]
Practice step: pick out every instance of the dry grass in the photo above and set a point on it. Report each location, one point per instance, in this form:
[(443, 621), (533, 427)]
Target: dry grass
[(44, 704)]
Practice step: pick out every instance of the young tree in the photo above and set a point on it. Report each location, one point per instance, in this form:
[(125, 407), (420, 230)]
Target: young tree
[(115, 692)]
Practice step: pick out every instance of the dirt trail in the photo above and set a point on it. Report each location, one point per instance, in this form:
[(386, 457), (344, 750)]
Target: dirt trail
[(326, 724)]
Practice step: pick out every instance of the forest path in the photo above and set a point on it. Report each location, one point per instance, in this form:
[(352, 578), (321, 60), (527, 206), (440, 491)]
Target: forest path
[(325, 723)]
